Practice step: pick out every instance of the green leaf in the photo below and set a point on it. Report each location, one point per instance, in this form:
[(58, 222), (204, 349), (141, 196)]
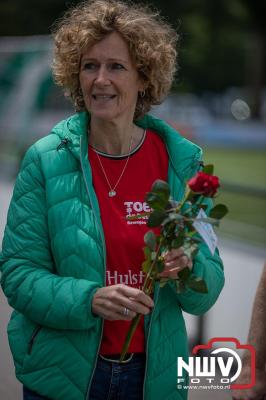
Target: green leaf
[(156, 218), (196, 239), (190, 234), (158, 197), (180, 286), (163, 282), (147, 253), (168, 229), (146, 266), (197, 284), (160, 265), (177, 242), (184, 274), (219, 211), (208, 169), (156, 201), (159, 239), (150, 240), (161, 187)]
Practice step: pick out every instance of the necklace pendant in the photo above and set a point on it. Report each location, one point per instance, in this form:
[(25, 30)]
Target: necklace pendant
[(112, 193)]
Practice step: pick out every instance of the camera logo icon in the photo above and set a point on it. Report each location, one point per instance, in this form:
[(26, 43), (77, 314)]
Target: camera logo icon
[(223, 363)]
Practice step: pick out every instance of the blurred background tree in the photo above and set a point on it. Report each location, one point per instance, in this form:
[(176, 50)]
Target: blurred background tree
[(222, 43)]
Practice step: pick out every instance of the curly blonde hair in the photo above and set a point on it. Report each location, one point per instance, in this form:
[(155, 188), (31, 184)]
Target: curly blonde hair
[(152, 45)]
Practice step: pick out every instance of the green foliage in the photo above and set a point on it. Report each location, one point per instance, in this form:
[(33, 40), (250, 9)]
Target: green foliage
[(155, 200), (185, 274), (150, 240), (219, 211), (189, 280), (156, 218), (159, 196), (176, 230), (197, 284), (208, 169), (146, 266)]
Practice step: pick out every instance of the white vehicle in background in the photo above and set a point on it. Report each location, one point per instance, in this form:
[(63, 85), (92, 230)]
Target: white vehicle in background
[(30, 103)]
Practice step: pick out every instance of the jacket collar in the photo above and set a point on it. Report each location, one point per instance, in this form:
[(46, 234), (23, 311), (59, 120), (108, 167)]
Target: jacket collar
[(184, 156)]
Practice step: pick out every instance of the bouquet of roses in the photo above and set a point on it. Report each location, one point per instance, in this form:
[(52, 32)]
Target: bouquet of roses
[(182, 224)]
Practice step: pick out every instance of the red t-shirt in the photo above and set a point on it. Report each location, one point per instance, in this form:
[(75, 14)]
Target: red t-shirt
[(124, 239)]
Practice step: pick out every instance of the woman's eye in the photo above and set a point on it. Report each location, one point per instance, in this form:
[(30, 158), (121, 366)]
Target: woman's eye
[(89, 66), (117, 66)]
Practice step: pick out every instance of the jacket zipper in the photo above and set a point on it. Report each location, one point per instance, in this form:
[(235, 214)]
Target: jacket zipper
[(62, 144), (147, 342), (32, 339), (104, 254)]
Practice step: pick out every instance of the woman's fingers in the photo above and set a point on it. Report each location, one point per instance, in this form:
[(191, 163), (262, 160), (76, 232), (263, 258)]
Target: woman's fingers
[(179, 262), (170, 273), (115, 312), (174, 261), (136, 294), (136, 300), (172, 254), (120, 302)]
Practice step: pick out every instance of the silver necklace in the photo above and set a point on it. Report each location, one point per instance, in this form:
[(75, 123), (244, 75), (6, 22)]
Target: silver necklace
[(112, 191)]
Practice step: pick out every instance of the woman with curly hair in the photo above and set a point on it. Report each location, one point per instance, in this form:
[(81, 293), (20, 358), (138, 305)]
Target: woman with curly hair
[(71, 259)]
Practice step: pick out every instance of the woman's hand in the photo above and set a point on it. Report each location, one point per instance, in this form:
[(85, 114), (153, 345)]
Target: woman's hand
[(120, 302), (174, 261)]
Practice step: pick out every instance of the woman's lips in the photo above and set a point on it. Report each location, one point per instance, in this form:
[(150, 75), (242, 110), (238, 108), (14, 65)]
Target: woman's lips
[(103, 96)]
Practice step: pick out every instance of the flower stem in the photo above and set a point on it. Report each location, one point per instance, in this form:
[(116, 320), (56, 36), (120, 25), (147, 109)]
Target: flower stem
[(130, 333), (147, 289)]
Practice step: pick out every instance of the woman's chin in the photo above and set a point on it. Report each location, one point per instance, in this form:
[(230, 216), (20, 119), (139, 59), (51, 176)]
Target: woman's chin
[(107, 115)]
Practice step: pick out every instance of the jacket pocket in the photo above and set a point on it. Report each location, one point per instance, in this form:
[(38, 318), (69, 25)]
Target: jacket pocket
[(32, 339)]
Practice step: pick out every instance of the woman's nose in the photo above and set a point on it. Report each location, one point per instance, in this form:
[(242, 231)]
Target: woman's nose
[(102, 77)]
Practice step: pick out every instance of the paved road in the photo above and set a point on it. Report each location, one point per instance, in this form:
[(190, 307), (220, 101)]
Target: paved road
[(228, 318)]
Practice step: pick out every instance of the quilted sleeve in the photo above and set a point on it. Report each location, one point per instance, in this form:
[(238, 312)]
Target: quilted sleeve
[(210, 268), (28, 278)]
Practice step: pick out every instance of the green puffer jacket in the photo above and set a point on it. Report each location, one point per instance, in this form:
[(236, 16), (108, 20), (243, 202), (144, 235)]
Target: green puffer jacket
[(53, 261)]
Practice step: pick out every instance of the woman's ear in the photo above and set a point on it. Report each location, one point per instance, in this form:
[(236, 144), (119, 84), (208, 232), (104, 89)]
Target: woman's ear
[(142, 87)]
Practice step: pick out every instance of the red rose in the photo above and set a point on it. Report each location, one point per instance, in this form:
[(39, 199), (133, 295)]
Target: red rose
[(204, 184)]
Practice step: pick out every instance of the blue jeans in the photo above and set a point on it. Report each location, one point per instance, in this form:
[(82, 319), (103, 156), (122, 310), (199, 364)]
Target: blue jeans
[(111, 381)]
